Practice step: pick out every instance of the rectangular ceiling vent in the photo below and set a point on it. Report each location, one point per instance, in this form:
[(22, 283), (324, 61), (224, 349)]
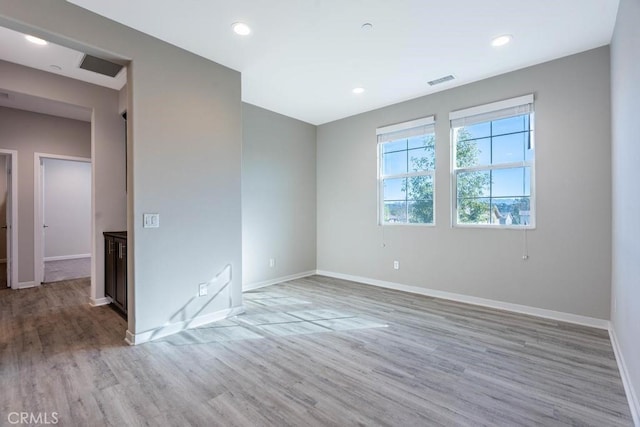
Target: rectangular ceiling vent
[(441, 80), (100, 66)]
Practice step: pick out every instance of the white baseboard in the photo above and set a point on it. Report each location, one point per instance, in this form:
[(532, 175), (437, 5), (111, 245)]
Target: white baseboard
[(632, 397), (172, 328), (66, 257), (257, 285), (500, 305), (96, 302), (25, 285)]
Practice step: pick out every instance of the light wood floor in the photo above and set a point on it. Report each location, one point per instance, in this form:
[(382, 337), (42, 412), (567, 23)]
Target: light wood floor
[(314, 351)]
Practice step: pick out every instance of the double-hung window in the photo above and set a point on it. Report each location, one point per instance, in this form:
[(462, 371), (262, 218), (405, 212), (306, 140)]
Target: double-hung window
[(493, 164), (406, 173)]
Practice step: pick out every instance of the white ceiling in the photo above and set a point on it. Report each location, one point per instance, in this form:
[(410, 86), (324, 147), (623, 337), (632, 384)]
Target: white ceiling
[(15, 48), (304, 57)]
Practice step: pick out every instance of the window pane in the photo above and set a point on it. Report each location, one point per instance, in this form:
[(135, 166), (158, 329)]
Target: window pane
[(420, 187), (511, 211), (508, 148), (394, 189), (420, 211), (509, 182), (394, 163), (473, 211), (422, 141), (395, 212), (400, 144), (422, 159), (510, 125), (473, 184), (479, 130), (474, 152)]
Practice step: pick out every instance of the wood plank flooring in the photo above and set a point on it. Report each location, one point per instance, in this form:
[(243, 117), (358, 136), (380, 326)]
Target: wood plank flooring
[(310, 352)]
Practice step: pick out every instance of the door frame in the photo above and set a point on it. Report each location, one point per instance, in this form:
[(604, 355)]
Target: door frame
[(38, 210), (13, 258)]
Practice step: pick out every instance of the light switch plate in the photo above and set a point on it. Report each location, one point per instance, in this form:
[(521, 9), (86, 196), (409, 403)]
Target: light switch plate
[(151, 220)]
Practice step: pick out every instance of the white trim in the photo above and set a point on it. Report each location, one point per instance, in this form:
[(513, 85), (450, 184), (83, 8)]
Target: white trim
[(26, 285), (425, 121), (99, 301), (494, 106), (66, 257), (38, 220), (483, 302), (632, 396), (257, 285), (62, 157), (173, 328)]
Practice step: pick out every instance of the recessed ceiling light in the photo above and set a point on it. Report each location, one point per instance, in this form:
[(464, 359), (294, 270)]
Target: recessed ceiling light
[(367, 26), (36, 40), (358, 90), (241, 28), (55, 67), (501, 40)]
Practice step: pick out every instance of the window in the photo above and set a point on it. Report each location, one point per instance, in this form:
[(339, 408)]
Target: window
[(406, 154), (493, 164)]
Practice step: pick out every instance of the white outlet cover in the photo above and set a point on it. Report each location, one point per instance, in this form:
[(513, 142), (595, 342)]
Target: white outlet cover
[(202, 289), (151, 220)]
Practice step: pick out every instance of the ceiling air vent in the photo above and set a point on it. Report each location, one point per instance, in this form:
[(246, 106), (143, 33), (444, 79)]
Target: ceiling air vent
[(100, 66), (441, 80)]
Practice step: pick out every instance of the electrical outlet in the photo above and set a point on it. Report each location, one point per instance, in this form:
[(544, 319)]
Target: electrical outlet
[(396, 265), (202, 289), (272, 262)]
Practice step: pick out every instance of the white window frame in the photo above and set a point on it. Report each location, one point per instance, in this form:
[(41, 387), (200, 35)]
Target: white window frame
[(423, 126), (482, 114)]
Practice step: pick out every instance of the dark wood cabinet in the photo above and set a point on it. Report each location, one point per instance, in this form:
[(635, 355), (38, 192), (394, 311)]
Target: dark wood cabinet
[(115, 268)]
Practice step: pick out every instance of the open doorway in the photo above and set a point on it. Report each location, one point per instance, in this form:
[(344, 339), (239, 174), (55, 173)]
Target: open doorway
[(8, 219), (63, 190), (100, 104)]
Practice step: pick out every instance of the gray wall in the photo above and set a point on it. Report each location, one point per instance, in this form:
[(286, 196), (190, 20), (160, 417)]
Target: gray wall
[(569, 266), (625, 93), (278, 195), (184, 160), (67, 207), (29, 133)]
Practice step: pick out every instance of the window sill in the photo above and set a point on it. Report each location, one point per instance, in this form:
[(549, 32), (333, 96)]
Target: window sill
[(406, 224), (495, 227)]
